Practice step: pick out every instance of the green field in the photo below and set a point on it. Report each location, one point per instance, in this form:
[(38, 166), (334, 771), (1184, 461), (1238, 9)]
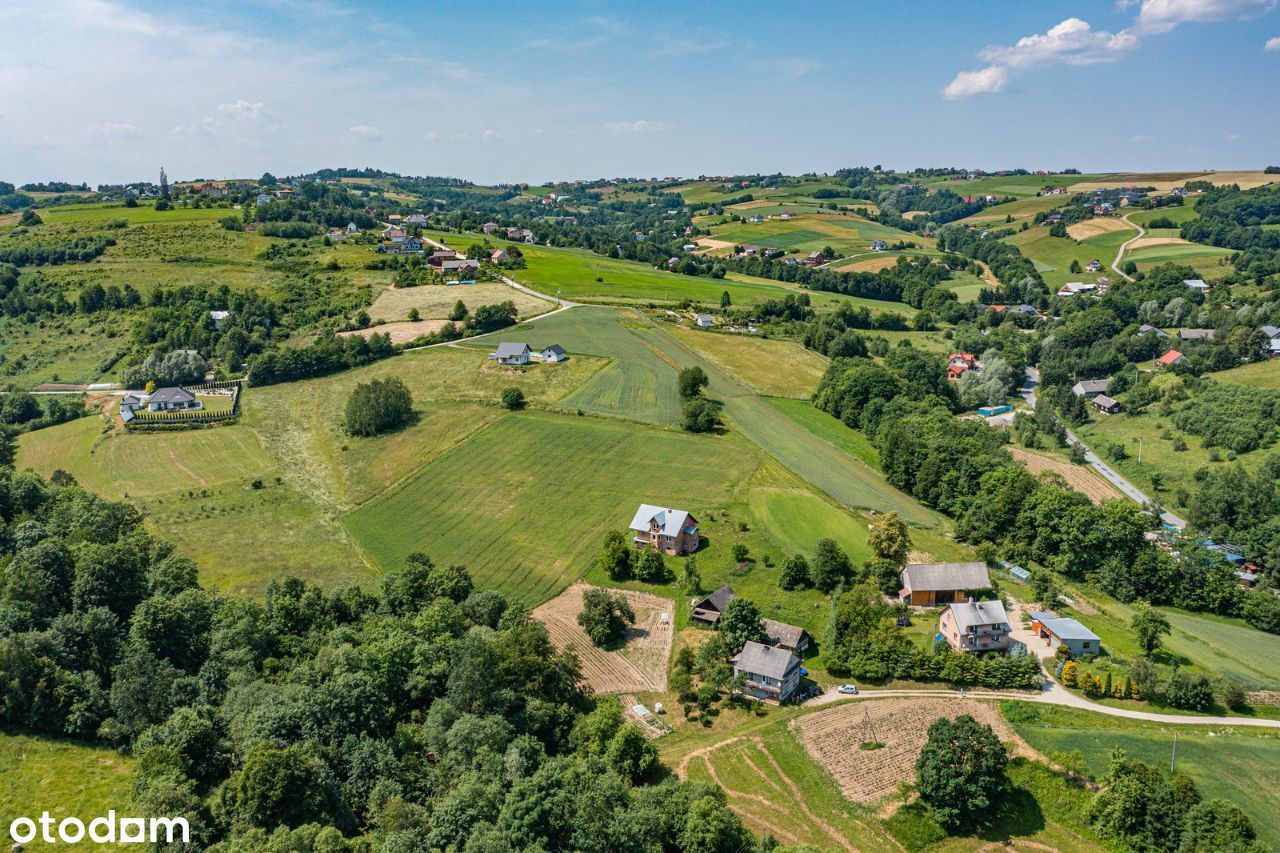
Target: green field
[(798, 519), (637, 382), (829, 429), (1260, 374), (1014, 185), (1206, 260), (1052, 256), (766, 366), (552, 485), (1179, 214), (62, 777), (1209, 644), (436, 301), (847, 234), (1233, 763)]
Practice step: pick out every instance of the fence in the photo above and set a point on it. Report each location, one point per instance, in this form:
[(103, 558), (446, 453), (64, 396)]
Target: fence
[(142, 419)]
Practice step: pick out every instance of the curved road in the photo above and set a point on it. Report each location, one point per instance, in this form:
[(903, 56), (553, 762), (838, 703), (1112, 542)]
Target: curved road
[(1142, 232), (1129, 490)]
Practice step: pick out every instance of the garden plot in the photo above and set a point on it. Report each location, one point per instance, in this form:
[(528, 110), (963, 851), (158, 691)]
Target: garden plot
[(639, 665), (832, 738)]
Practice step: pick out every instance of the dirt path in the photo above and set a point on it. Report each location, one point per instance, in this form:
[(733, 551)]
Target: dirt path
[(799, 798), (200, 481), (1124, 247)]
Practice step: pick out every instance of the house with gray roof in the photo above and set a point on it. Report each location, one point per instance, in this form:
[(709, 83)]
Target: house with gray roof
[(512, 353), (975, 626), (671, 531), (1106, 405), (771, 672), (1057, 631), (552, 354), (930, 584), (1147, 329), (170, 399), (1273, 339), (1196, 334), (793, 638), (1090, 388), (707, 611)]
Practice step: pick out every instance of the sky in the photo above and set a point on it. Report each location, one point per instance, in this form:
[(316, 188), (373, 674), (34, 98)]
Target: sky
[(494, 91)]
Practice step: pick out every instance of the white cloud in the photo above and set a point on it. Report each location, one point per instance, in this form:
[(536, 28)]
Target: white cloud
[(1141, 139), (1272, 45), (984, 81), (113, 130), (1233, 137), (637, 126), (1072, 42), (490, 135), (1075, 42), (365, 131), (243, 110), (1160, 16)]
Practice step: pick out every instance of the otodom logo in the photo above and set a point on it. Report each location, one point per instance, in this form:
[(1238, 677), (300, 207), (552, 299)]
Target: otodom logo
[(100, 830)]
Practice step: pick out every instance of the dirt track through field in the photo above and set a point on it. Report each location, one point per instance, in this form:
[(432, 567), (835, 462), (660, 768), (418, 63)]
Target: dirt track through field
[(1094, 227), (640, 665)]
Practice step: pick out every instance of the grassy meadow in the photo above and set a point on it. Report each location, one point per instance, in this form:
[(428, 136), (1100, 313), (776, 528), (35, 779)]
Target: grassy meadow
[(553, 485), (1052, 256), (1259, 374), (435, 302), (1224, 762), (62, 777), (766, 366)]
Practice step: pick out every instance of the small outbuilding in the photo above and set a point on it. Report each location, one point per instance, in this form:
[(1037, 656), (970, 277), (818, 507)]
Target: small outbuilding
[(553, 353), (1106, 405), (707, 610), (793, 638), (930, 584), (1057, 631)]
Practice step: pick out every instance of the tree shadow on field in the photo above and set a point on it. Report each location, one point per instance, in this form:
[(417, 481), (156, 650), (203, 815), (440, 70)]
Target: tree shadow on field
[(1017, 814)]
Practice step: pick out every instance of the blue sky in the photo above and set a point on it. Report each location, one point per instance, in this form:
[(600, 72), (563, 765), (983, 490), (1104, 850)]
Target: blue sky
[(106, 90)]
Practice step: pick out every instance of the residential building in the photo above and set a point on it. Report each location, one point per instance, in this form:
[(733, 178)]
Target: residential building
[(1106, 405), (1147, 329), (498, 256), (552, 354), (1171, 358), (975, 626), (1196, 335), (704, 321), (1075, 287), (932, 584), (171, 399), (879, 245), (489, 227), (1195, 284), (770, 672), (959, 363), (1090, 388), (1057, 631), (671, 531), (707, 611), (1094, 265), (394, 234), (439, 256), (1273, 339), (793, 638), (512, 353), (218, 318)]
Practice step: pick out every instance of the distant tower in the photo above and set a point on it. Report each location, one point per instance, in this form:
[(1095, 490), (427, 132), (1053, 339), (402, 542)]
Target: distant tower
[(164, 184)]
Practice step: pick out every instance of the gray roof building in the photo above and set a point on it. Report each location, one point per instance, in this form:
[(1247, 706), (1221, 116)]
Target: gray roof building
[(1091, 387), (710, 608), (781, 634), (1196, 334), (972, 614), (171, 395), (506, 350), (769, 661), (936, 577)]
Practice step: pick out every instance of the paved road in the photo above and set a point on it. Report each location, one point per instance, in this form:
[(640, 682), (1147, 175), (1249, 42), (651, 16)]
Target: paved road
[(1124, 247), (1129, 490)]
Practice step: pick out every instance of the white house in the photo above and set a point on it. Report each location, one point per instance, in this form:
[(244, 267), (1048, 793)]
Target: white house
[(1195, 284), (1273, 339), (771, 672), (704, 321), (552, 354), (218, 318), (509, 353)]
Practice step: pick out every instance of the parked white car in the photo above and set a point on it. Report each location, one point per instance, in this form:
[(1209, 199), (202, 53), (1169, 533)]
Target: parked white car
[(851, 689)]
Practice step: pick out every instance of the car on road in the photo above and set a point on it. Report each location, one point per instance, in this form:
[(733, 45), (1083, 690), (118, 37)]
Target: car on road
[(848, 689)]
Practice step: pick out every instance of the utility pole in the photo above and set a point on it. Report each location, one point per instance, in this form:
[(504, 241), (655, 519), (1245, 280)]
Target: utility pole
[(1173, 760), (1139, 450)]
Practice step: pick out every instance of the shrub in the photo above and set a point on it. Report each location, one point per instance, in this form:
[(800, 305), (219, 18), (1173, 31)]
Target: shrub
[(513, 399)]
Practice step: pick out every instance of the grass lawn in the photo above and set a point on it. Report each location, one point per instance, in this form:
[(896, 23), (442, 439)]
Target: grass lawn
[(796, 519), (1206, 260), (766, 366), (1260, 374), (62, 777), (1225, 762), (829, 429), (552, 485), (1178, 214), (845, 233), (99, 212)]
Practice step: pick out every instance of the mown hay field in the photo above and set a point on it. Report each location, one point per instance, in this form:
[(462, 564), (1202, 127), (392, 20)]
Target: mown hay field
[(525, 503)]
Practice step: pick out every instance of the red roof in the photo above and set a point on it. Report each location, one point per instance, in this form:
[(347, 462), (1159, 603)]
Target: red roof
[(1170, 357)]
